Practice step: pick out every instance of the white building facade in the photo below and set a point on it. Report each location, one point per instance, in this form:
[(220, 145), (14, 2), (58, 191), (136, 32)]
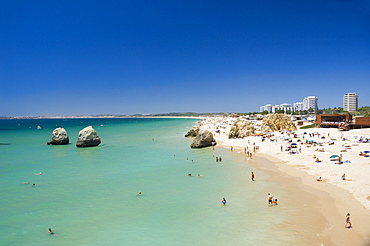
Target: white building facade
[(267, 107), (350, 102), (310, 102), (298, 106)]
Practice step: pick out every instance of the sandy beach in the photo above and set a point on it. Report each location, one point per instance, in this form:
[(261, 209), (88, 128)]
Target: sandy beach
[(298, 161)]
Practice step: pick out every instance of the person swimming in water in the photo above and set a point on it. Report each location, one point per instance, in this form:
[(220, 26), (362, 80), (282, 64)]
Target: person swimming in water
[(223, 201), (50, 231)]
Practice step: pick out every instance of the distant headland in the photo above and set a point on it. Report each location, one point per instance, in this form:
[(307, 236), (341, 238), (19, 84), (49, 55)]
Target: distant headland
[(183, 115)]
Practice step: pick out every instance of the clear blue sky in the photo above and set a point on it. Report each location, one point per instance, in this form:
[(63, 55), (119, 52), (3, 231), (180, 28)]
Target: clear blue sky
[(128, 57)]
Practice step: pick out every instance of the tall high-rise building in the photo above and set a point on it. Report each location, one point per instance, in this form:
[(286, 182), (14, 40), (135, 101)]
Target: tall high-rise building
[(310, 102), (350, 102)]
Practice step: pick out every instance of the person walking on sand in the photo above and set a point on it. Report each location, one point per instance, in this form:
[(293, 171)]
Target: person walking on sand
[(252, 174), (348, 222)]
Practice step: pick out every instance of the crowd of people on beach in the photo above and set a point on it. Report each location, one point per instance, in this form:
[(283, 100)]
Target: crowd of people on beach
[(329, 148)]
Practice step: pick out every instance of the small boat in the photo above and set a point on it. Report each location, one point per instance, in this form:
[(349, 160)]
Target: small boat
[(39, 127), (343, 126)]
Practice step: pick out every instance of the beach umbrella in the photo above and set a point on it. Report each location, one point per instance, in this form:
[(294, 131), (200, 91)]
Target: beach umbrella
[(334, 156), (293, 144)]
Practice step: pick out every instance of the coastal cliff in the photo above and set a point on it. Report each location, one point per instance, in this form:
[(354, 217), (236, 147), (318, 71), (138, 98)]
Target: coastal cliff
[(59, 137), (88, 137)]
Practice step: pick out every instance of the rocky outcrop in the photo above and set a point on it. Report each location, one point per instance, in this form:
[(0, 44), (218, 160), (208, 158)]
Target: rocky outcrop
[(192, 132), (88, 137), (59, 137), (277, 122), (241, 129), (203, 139)]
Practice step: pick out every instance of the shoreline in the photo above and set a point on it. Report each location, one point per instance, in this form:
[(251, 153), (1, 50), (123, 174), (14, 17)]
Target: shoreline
[(328, 200), (97, 117)]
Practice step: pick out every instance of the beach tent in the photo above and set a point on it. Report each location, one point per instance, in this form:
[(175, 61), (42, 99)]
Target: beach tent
[(334, 158)]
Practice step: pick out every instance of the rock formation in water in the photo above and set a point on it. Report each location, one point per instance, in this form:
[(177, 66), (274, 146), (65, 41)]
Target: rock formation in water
[(192, 132), (277, 122), (204, 138), (59, 137), (88, 137), (241, 129)]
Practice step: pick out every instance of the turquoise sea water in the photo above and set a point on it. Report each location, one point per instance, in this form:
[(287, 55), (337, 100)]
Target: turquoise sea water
[(89, 195)]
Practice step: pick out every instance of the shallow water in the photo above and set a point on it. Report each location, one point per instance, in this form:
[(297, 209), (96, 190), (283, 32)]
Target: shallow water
[(89, 195)]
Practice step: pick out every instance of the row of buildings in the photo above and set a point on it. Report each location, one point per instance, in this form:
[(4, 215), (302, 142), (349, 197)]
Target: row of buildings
[(350, 104), (308, 103)]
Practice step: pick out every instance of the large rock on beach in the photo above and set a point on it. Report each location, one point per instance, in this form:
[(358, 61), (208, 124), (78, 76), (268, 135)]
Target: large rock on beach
[(88, 137), (203, 139), (59, 137), (193, 132), (241, 129), (277, 122)]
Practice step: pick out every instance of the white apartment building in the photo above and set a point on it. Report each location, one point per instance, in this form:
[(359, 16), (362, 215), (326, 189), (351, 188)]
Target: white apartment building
[(298, 106), (350, 102), (267, 107), (310, 102)]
